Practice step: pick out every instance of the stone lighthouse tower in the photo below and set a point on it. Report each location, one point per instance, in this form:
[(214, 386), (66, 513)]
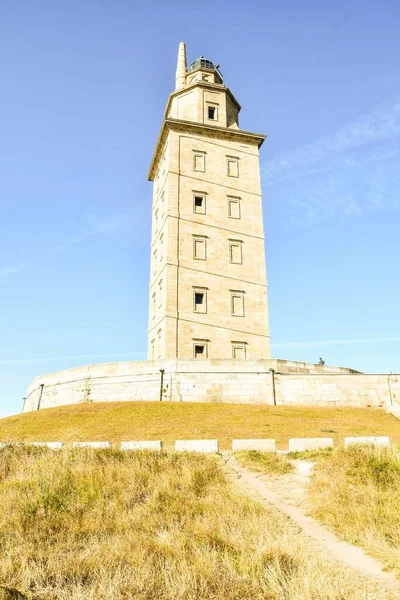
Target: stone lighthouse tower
[(208, 287)]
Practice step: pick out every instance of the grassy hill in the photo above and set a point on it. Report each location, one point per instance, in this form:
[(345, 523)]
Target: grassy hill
[(356, 493), (167, 421), (108, 525)]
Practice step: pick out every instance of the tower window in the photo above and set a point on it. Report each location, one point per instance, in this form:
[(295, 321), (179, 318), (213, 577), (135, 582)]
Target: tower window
[(155, 261), (159, 332), (200, 300), (239, 350), (237, 303), (232, 166), (199, 248), (235, 252), (154, 305), (152, 349), (199, 161), (200, 348), (199, 203), (160, 292), (212, 113), (162, 203), (234, 208)]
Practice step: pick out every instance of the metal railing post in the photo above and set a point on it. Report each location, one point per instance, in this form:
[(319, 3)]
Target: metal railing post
[(162, 371), (40, 395), (273, 385)]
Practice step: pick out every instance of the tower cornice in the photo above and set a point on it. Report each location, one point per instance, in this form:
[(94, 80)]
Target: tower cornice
[(170, 124)]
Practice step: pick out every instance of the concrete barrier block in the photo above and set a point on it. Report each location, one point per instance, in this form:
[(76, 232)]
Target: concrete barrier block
[(142, 445), (382, 440), (51, 445), (196, 445), (262, 445), (301, 444), (91, 444)]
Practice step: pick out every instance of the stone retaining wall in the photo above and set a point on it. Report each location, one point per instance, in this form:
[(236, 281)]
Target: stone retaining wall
[(230, 381)]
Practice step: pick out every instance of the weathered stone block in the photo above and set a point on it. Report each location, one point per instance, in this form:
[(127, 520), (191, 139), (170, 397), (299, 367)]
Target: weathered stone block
[(142, 445), (382, 440), (196, 445), (301, 444), (263, 445)]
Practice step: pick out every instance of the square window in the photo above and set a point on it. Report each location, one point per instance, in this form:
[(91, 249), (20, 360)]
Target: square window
[(212, 113), (199, 161), (160, 284), (239, 351), (199, 203), (237, 304), (199, 248), (234, 208), (232, 166), (159, 332), (155, 261), (235, 252), (200, 301), (199, 350)]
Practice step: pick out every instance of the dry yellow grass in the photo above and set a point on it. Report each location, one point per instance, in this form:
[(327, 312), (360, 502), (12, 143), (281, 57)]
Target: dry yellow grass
[(169, 421), (108, 525), (265, 462), (356, 492)]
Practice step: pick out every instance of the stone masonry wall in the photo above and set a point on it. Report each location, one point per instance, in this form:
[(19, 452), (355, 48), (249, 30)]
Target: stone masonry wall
[(230, 381)]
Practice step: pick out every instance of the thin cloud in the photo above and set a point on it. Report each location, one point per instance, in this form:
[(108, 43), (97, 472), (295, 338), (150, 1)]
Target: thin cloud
[(18, 361), (343, 196), (341, 177), (316, 343), (16, 267), (112, 223), (324, 153)]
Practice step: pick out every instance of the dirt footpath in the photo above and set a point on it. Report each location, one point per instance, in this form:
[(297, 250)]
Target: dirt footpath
[(287, 493)]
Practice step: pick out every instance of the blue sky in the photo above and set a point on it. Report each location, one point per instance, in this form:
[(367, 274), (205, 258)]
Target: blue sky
[(83, 89)]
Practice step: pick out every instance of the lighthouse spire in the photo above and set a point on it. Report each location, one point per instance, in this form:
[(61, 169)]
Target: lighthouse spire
[(180, 76)]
